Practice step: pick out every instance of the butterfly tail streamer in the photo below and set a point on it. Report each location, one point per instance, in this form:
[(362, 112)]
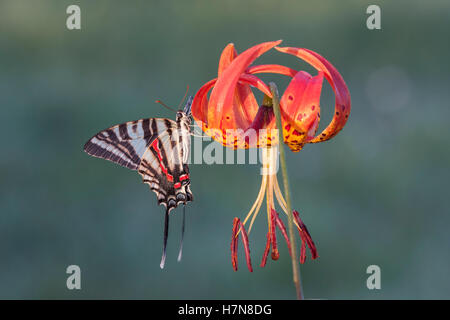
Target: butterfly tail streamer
[(180, 253), (166, 234)]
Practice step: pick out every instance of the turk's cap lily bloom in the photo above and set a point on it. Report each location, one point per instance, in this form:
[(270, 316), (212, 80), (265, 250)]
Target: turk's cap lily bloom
[(231, 115), (232, 105)]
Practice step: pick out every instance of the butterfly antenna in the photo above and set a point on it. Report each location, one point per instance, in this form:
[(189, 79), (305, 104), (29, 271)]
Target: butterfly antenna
[(182, 234), (185, 94), (166, 233), (164, 105)]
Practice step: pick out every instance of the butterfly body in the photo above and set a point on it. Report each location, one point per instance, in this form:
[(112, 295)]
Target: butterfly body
[(158, 149)]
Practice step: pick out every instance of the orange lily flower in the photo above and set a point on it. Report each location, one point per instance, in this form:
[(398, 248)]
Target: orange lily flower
[(232, 116)]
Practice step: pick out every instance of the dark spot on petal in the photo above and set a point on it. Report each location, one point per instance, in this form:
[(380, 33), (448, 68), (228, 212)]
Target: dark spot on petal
[(290, 97), (313, 107)]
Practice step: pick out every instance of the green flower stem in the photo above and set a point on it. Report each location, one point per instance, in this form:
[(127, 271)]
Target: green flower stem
[(295, 264)]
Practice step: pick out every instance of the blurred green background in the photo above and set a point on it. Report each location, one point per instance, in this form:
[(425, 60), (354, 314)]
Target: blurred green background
[(378, 193)]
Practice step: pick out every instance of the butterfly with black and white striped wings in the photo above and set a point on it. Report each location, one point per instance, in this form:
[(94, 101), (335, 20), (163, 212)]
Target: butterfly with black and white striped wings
[(158, 149)]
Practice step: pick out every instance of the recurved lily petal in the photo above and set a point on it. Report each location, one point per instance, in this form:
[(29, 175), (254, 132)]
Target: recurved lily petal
[(300, 104), (199, 108), (300, 109), (342, 101), (200, 104), (227, 56), (272, 68), (239, 137), (220, 111), (245, 105)]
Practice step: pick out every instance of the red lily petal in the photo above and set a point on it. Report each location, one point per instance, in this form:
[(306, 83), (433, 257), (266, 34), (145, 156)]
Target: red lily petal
[(275, 254), (300, 106), (246, 118), (271, 68), (306, 239), (199, 107), (342, 101), (227, 56), (255, 82), (244, 102), (200, 110), (244, 108), (222, 95), (266, 251), (245, 105)]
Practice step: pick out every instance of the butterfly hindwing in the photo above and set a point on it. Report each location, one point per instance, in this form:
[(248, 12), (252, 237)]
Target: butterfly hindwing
[(164, 165)]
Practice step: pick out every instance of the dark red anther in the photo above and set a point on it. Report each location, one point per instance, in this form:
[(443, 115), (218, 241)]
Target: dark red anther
[(275, 253), (266, 251), (303, 248), (246, 247), (239, 226), (280, 225), (234, 240), (310, 242), (306, 239)]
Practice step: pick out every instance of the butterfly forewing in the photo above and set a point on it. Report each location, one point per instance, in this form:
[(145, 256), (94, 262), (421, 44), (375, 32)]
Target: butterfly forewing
[(126, 143), (158, 148)]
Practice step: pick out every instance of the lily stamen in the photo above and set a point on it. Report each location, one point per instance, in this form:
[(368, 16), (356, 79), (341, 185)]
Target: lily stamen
[(238, 227)]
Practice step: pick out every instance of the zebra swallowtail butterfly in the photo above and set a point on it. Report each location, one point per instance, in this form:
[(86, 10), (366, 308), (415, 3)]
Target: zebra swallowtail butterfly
[(158, 149)]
